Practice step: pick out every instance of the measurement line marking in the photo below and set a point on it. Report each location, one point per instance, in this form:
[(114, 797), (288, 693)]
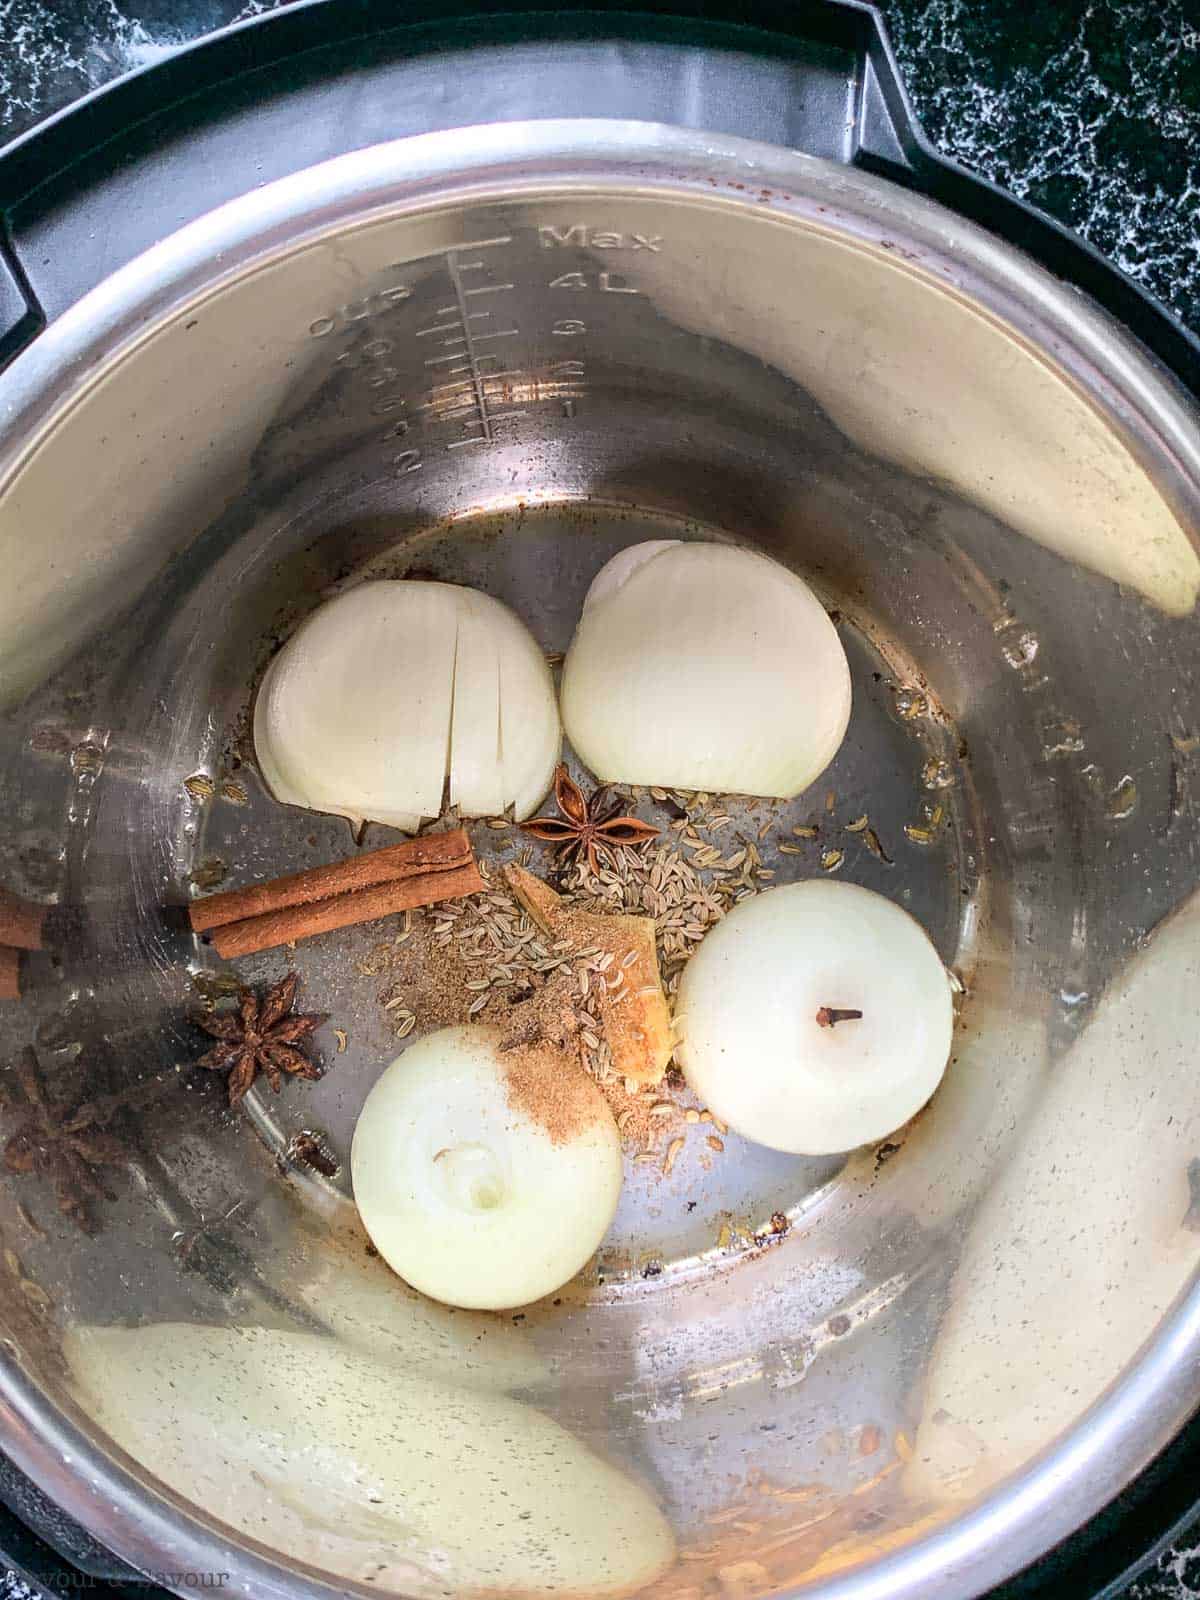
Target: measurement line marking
[(453, 405), (504, 333), (441, 327), (454, 413), (478, 438), (465, 383), (480, 244), (456, 321), (476, 376), (492, 288), (455, 355)]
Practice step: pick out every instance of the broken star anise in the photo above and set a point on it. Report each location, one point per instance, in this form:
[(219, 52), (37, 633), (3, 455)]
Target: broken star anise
[(262, 1035), (65, 1140), (588, 827)]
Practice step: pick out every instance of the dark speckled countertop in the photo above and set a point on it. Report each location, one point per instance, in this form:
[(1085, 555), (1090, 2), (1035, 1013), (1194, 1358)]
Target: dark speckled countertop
[(1087, 108)]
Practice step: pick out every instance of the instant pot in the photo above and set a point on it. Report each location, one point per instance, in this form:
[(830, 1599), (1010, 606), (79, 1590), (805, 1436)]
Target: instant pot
[(488, 297)]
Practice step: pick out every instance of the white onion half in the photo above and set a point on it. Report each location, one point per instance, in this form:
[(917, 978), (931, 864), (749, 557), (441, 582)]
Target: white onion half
[(364, 1471), (464, 1191), (701, 666), (750, 1042), (384, 694)]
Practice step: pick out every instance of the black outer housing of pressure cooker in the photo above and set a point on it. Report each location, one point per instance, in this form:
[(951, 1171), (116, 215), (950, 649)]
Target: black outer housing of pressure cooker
[(94, 186)]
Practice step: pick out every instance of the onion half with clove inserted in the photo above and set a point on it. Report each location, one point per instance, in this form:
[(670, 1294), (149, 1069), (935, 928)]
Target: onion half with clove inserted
[(815, 1018)]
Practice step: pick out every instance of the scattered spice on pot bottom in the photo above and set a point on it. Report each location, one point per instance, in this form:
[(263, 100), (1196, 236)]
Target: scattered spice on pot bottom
[(576, 974)]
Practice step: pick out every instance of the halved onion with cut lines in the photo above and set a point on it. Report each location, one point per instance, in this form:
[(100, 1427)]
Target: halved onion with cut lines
[(397, 689)]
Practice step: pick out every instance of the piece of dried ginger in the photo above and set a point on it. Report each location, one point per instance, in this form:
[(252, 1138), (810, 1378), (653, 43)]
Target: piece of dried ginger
[(635, 1017)]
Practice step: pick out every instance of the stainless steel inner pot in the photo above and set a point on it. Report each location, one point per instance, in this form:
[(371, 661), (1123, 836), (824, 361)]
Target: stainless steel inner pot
[(500, 355)]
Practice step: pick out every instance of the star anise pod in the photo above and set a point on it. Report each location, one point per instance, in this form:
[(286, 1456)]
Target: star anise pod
[(588, 827), (262, 1035), (65, 1140)]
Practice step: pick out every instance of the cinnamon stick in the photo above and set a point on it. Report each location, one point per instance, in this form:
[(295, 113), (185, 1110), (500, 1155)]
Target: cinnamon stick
[(434, 852), (21, 922), (10, 973), (246, 938)]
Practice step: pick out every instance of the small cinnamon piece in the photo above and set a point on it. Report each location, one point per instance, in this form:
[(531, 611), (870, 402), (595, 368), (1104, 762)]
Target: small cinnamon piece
[(435, 852), (400, 877), (21, 922), (830, 1016), (10, 973)]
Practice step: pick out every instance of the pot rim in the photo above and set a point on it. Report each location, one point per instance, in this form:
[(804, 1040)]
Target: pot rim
[(1117, 1436)]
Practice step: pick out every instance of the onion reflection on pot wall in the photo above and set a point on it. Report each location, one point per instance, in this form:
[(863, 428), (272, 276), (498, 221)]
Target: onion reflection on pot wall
[(327, 1274), (913, 374), (1087, 1239), (989, 1099), (353, 1466)]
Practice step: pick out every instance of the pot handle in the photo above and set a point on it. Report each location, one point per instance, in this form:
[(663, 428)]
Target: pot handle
[(139, 158), (143, 130), (20, 315)]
